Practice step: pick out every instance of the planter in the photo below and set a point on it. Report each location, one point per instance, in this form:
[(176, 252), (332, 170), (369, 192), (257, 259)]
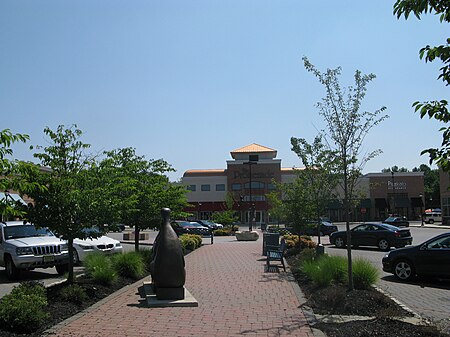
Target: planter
[(247, 236)]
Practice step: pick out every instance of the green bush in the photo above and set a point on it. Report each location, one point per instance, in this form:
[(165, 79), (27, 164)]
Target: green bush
[(130, 264), (100, 268), (307, 254), (325, 270), (73, 293), (222, 232), (23, 310), (364, 274), (146, 255), (190, 241)]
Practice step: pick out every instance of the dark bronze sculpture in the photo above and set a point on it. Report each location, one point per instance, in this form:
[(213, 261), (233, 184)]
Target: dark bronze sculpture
[(167, 265)]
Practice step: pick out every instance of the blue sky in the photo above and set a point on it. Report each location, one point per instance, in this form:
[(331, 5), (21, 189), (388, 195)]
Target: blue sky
[(190, 81)]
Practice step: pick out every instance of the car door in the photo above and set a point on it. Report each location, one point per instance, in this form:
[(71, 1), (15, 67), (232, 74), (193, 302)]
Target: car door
[(434, 257), (360, 235)]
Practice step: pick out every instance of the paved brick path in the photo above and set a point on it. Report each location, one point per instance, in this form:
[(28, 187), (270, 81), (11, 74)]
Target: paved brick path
[(236, 296)]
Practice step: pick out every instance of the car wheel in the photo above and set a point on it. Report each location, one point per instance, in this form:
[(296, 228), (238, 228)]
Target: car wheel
[(383, 244), (339, 242), (62, 269), (431, 221), (11, 271), (404, 270), (76, 257)]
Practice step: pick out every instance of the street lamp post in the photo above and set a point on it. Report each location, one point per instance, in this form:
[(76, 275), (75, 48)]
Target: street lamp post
[(252, 208)]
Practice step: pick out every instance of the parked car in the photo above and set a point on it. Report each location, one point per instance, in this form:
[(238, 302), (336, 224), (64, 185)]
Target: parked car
[(93, 241), (397, 221), (380, 235), (430, 258), (432, 217), (25, 247), (326, 228), (190, 227), (209, 224)]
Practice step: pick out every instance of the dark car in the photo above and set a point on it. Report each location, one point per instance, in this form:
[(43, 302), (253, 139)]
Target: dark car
[(397, 221), (326, 228), (431, 258), (190, 227), (380, 235)]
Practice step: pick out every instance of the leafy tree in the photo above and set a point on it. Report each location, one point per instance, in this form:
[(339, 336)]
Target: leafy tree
[(319, 179), (139, 189), (70, 202), (431, 184), (346, 128), (228, 216), (13, 174), (437, 109)]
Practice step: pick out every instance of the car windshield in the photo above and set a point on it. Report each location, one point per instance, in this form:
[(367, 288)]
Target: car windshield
[(391, 218), (25, 231), (195, 224)]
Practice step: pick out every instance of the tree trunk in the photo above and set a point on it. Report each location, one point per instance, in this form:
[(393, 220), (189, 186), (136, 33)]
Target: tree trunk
[(70, 275), (137, 231), (347, 227)]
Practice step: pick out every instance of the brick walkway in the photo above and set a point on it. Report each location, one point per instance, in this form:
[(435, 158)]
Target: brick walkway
[(236, 296)]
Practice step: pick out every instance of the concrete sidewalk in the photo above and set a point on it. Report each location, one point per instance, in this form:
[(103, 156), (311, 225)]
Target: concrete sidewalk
[(236, 295)]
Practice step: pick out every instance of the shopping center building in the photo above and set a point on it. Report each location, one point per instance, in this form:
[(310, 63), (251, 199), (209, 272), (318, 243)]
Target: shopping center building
[(254, 170)]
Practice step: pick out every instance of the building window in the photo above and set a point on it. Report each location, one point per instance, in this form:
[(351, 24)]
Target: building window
[(254, 198), (271, 187), (192, 188), (220, 187), (235, 187), (206, 188), (255, 185)]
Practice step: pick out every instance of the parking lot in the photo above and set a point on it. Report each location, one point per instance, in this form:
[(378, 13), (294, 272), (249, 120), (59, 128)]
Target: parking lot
[(428, 297)]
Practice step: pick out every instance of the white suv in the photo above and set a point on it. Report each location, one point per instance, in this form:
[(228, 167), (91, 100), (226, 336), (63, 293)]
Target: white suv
[(23, 246)]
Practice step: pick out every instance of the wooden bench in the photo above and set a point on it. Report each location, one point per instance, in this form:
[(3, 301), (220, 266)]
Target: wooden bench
[(277, 254)]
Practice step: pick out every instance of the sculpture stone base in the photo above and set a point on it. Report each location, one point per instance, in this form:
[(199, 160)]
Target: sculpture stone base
[(153, 302), (169, 293), (247, 236)]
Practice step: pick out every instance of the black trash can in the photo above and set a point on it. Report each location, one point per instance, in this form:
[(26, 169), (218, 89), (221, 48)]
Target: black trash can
[(270, 240)]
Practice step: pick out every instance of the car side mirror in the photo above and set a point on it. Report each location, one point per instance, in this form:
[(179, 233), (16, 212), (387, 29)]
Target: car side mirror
[(424, 247)]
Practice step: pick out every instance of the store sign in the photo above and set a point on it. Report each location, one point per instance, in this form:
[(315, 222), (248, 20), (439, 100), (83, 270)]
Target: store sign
[(398, 185)]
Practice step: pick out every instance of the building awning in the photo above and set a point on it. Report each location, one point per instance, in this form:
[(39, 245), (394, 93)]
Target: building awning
[(381, 203), (335, 204), (365, 203), (416, 202), (11, 197)]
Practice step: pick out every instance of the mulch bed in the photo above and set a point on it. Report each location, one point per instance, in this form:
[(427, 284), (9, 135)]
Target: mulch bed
[(60, 310), (336, 300)]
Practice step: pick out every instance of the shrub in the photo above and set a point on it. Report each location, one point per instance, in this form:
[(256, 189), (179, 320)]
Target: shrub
[(130, 264), (364, 274), (190, 241), (326, 269), (222, 232), (146, 255), (73, 293), (23, 310), (307, 254), (100, 268)]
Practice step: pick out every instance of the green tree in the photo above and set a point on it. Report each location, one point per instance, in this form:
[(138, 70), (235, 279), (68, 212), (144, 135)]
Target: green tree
[(431, 184), (346, 128), (437, 109), (228, 216), (14, 174), (138, 189), (318, 175), (69, 204)]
